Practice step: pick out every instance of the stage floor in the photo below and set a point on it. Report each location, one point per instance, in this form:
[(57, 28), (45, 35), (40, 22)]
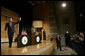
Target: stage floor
[(27, 50)]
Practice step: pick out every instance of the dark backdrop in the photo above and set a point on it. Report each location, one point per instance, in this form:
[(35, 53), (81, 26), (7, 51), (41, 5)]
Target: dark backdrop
[(23, 8)]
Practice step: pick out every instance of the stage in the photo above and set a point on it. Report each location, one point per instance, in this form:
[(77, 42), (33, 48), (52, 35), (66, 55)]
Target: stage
[(44, 48)]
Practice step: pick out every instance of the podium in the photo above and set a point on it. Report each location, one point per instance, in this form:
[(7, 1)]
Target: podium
[(23, 40)]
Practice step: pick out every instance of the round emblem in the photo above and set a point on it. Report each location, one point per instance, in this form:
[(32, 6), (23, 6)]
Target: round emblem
[(24, 40), (37, 38)]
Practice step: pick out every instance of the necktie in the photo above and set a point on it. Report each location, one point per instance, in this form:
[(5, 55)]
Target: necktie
[(58, 38), (10, 24)]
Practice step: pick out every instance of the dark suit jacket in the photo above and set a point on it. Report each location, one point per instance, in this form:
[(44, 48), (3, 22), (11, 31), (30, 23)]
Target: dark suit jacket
[(58, 40), (67, 37), (10, 29)]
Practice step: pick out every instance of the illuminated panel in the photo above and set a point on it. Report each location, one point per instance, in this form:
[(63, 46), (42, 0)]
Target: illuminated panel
[(37, 24)]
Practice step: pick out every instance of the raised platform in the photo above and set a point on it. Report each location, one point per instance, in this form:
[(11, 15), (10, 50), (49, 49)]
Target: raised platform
[(44, 48)]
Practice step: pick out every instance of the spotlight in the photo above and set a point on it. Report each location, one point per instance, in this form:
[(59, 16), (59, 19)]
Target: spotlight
[(64, 4)]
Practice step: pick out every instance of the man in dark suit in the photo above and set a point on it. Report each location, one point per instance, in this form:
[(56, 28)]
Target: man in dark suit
[(58, 40), (67, 39), (10, 25)]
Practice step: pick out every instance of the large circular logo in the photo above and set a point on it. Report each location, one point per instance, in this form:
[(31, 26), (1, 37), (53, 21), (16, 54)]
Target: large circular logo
[(37, 38), (24, 40)]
